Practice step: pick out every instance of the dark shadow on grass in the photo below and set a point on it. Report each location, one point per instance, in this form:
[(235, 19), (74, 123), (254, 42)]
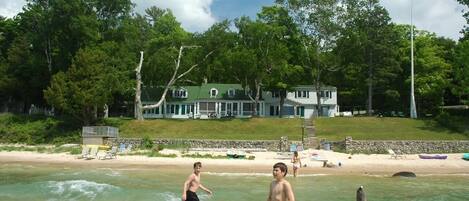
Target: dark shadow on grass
[(455, 127)]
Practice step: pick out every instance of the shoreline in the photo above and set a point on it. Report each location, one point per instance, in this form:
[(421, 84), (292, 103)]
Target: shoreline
[(360, 164)]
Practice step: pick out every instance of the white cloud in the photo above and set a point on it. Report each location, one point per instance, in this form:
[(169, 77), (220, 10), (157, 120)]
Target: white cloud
[(194, 15), (9, 8), (443, 17)]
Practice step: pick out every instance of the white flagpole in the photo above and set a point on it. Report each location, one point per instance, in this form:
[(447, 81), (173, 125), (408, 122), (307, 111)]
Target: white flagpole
[(413, 110)]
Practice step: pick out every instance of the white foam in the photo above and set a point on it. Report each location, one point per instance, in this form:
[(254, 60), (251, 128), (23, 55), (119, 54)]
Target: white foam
[(169, 196), (72, 189)]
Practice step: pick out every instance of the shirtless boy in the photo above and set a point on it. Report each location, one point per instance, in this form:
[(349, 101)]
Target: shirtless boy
[(192, 184), (280, 189)]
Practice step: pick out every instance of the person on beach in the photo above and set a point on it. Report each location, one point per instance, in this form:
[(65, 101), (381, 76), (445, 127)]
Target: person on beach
[(192, 183), (280, 189), (296, 163)]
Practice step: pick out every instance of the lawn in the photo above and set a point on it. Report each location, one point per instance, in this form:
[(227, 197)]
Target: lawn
[(373, 128), (227, 129)]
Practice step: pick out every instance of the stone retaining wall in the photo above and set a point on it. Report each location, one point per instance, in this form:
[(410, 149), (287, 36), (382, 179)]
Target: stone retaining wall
[(270, 145), (405, 147)]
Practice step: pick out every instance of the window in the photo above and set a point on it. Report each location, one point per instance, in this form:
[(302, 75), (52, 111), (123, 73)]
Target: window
[(275, 94), (326, 94), (213, 93), (301, 94), (231, 93), (180, 93)]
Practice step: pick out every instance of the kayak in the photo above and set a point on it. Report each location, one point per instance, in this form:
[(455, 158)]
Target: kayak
[(441, 157), (465, 156)]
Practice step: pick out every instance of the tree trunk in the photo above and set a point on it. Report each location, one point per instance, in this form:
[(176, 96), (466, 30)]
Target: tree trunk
[(318, 96), (255, 100), (138, 102), (173, 79), (106, 111), (282, 101), (370, 85)]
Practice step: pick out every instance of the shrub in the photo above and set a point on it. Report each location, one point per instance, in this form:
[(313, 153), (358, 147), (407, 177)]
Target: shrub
[(147, 143)]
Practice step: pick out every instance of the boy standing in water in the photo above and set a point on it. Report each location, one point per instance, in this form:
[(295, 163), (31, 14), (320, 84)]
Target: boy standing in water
[(280, 189), (192, 184)]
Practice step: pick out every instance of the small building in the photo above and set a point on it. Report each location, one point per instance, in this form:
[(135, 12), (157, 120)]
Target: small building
[(98, 135)]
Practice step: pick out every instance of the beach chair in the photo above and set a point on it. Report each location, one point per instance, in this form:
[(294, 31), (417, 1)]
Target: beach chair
[(299, 148), (121, 147), (394, 155), (110, 154), (93, 153), (293, 148), (84, 151), (129, 148)]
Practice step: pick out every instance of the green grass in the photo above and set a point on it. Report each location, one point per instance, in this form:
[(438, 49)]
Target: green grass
[(229, 129), (42, 149), (373, 128)]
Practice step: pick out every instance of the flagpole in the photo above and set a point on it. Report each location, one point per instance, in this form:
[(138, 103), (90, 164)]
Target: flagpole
[(413, 110)]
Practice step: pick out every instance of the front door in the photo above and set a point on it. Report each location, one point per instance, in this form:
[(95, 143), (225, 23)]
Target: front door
[(229, 109), (300, 111)]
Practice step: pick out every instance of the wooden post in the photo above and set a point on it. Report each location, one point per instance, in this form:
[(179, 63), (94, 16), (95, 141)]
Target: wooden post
[(361, 194)]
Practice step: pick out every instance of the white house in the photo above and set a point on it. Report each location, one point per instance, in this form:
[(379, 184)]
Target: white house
[(230, 100)]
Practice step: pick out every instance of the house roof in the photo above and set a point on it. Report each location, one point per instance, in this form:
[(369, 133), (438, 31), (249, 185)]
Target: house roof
[(314, 87), (151, 94)]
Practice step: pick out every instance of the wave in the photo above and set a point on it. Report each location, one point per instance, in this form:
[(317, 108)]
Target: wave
[(77, 189)]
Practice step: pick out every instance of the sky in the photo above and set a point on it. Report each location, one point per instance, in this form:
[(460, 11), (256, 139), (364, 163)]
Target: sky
[(444, 17)]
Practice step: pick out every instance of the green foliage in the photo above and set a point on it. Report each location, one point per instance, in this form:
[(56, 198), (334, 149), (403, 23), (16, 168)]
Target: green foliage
[(197, 155), (37, 130), (157, 154), (87, 86), (147, 143), (42, 149), (461, 72)]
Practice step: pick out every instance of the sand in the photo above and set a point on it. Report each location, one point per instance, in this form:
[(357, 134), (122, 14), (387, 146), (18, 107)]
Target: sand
[(357, 164)]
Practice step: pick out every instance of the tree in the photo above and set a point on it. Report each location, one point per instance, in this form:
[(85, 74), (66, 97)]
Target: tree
[(465, 31), (431, 69), (86, 87), (461, 72), (174, 78), (319, 22), (368, 51)]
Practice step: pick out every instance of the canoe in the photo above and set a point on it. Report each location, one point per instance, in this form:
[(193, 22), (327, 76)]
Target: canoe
[(465, 156), (441, 157)]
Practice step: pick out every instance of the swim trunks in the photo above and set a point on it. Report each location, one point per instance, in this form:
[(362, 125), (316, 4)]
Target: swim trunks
[(296, 166), (191, 196)]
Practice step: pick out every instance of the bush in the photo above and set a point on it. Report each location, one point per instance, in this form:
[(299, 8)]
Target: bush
[(147, 143), (38, 129)]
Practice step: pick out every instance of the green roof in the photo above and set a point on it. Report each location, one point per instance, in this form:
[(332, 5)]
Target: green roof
[(152, 94)]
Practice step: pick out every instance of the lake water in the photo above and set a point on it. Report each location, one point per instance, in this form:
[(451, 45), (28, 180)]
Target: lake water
[(33, 182)]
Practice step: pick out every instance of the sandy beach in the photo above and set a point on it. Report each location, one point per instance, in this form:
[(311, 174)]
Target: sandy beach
[(358, 164)]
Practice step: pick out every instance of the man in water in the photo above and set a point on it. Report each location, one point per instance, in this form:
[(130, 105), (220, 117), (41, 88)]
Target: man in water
[(192, 184), (280, 189)]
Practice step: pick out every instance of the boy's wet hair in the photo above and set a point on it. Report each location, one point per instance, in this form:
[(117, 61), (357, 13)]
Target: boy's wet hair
[(282, 167), (295, 153), (197, 164)]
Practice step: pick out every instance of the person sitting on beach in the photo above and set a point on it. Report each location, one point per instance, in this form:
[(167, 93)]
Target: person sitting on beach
[(296, 163), (280, 189), (192, 184)]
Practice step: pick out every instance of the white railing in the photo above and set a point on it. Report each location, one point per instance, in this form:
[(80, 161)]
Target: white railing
[(100, 131)]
